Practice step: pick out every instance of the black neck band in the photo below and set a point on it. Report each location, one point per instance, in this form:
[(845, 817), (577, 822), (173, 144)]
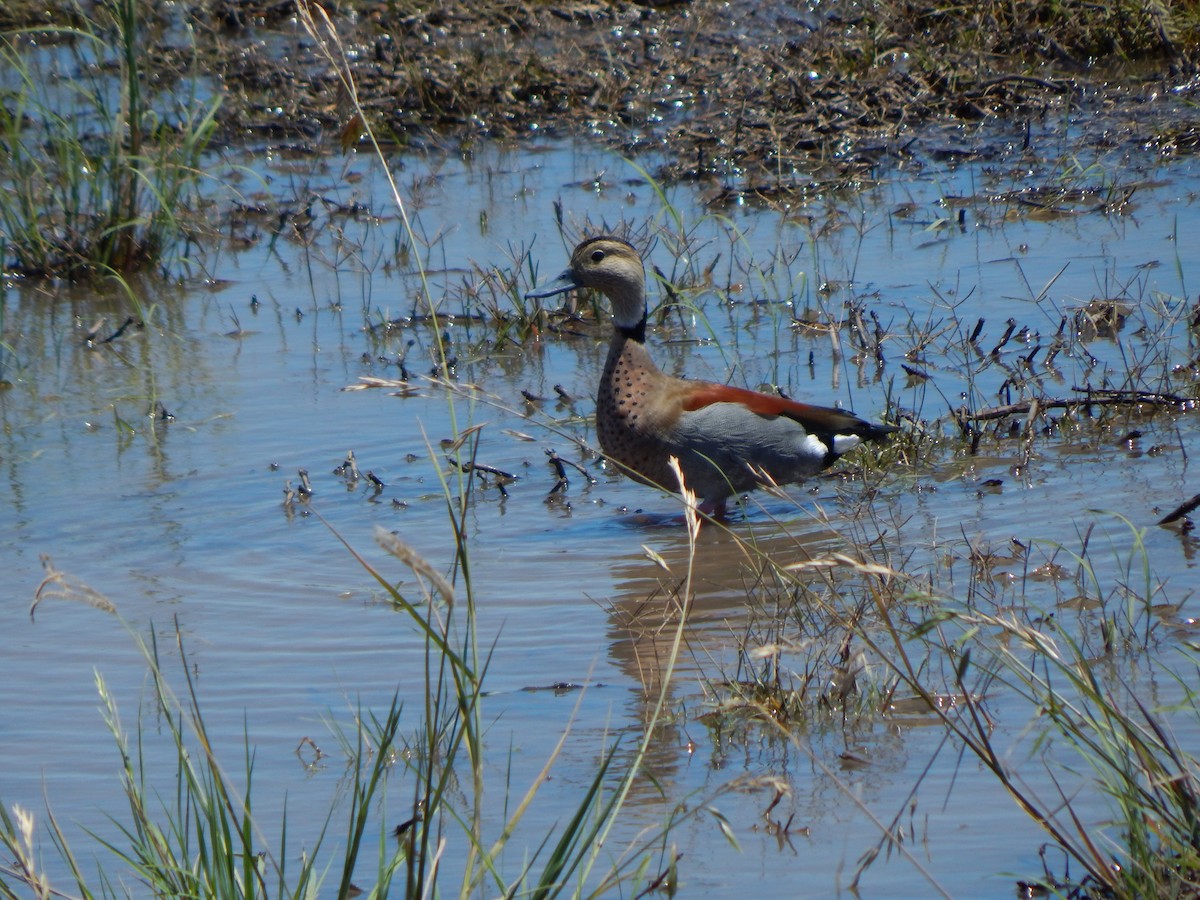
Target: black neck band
[(636, 332)]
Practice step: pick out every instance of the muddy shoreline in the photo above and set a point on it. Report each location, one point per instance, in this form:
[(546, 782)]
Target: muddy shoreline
[(764, 98)]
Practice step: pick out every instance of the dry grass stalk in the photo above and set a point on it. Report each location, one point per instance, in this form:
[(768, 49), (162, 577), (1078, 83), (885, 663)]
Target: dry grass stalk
[(20, 843), (403, 551), (58, 585)]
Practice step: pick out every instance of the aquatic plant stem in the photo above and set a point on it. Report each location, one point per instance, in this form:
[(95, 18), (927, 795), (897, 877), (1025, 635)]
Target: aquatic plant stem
[(317, 23)]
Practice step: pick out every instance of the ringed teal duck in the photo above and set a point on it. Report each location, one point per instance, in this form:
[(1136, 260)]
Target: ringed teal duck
[(728, 440)]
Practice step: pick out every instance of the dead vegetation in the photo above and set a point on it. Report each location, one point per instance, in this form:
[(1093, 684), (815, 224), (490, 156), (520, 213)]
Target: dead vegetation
[(755, 95), (740, 91)]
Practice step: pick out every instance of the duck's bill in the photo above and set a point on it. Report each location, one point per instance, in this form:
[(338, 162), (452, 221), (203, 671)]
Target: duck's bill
[(560, 285)]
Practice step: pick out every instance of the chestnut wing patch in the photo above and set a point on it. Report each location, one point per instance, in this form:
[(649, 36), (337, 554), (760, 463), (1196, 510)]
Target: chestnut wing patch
[(821, 420)]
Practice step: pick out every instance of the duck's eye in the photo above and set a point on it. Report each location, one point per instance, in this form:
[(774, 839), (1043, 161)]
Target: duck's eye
[(597, 255)]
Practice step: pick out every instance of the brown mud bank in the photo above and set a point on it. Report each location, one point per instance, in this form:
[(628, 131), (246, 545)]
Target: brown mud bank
[(763, 96)]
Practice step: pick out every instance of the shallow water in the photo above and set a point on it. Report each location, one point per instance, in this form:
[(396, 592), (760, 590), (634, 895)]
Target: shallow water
[(183, 521)]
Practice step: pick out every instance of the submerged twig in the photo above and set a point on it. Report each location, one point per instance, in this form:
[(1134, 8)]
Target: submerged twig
[(349, 467), (120, 332), (1094, 397), (1180, 511), (559, 461), (469, 467)]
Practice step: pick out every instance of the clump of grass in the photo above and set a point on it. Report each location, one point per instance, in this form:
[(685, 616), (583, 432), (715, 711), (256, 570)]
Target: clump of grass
[(1070, 31), (200, 838), (97, 173), (497, 296), (799, 663), (1088, 714), (1073, 665)]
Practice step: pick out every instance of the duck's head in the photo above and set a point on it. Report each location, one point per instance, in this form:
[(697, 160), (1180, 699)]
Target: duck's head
[(611, 266)]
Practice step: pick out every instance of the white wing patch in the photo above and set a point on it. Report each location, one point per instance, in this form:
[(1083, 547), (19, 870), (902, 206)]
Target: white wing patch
[(844, 443), (815, 447)]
